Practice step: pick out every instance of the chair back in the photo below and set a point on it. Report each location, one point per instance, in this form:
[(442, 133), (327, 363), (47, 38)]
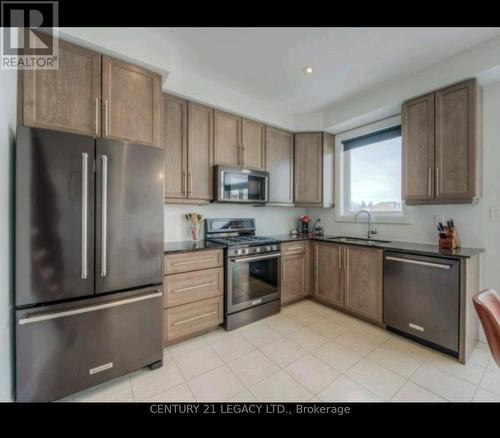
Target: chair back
[(487, 304)]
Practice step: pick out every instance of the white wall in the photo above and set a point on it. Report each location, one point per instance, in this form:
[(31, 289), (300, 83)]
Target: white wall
[(472, 221), (268, 220), (8, 86)]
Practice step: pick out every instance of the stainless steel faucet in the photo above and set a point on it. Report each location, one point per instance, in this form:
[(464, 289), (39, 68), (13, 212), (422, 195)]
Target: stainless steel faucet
[(371, 231)]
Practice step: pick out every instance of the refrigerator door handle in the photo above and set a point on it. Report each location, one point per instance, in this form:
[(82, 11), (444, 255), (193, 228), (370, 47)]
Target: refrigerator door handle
[(85, 195), (104, 216), (87, 309)]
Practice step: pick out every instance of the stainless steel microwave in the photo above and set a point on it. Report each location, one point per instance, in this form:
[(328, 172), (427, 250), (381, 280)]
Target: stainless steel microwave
[(234, 184)]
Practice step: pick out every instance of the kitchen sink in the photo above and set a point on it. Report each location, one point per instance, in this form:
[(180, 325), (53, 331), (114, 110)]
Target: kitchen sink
[(359, 240)]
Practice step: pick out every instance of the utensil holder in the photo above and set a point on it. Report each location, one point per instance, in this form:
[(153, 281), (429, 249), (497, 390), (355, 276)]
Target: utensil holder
[(451, 241)]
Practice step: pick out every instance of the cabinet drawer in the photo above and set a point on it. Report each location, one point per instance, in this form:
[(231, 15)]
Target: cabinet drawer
[(291, 248), (193, 286), (182, 321), (193, 261)]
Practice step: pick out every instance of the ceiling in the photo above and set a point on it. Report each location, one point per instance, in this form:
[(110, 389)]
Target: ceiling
[(267, 62)]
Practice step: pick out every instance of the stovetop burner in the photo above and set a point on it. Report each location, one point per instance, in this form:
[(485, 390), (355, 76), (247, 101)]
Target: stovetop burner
[(239, 240)]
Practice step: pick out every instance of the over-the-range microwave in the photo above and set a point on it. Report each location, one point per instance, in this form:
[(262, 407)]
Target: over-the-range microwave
[(234, 184)]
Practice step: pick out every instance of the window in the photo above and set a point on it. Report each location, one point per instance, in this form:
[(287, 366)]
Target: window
[(369, 172)]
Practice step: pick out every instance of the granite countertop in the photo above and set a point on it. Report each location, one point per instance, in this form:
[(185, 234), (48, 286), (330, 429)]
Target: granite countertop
[(189, 245), (411, 247)]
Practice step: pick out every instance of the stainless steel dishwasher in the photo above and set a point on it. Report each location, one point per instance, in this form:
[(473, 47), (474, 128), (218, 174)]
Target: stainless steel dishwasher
[(421, 298)]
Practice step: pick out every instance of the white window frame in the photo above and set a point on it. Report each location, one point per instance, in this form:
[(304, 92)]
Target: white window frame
[(341, 169)]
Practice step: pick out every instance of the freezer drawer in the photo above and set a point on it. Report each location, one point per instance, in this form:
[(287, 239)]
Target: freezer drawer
[(421, 298), (63, 349)]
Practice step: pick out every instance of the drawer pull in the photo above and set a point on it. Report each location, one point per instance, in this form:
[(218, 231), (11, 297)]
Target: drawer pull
[(184, 321), (184, 289), (190, 262), (293, 248)]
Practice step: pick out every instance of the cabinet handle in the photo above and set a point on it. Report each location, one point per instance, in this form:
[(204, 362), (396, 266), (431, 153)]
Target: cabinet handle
[(184, 182), (293, 248), (97, 116), (184, 289), (340, 259), (190, 262), (437, 180), (190, 184), (430, 183), (106, 117), (244, 153), (184, 321)]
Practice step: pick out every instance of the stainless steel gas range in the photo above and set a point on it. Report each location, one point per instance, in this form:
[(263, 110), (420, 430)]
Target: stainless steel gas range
[(252, 270)]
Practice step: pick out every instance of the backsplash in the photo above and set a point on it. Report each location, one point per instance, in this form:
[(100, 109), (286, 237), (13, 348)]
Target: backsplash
[(268, 220)]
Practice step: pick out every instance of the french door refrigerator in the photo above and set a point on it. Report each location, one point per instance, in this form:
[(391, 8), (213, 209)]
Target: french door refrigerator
[(88, 261)]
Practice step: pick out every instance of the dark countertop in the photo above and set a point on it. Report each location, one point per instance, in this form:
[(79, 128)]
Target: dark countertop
[(411, 247), (188, 245)]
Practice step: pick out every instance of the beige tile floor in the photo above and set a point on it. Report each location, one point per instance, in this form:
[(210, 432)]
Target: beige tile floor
[(307, 353)]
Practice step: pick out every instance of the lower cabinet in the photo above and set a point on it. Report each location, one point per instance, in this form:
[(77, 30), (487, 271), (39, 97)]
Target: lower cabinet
[(194, 294), (363, 281), (349, 277), (295, 271), (328, 285)]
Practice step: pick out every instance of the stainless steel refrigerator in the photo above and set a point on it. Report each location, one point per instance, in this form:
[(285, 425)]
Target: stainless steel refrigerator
[(88, 261)]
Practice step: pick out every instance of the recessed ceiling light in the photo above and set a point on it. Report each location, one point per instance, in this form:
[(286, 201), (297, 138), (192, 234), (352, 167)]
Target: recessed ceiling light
[(308, 70)]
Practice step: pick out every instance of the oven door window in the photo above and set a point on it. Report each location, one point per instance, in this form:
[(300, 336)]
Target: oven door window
[(243, 187), (252, 283)]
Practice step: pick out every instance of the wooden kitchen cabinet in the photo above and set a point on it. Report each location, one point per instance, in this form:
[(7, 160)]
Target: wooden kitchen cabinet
[(194, 293), (418, 149), (314, 169), (442, 146), (363, 281), (66, 99), (253, 144), (187, 138), (328, 282), (131, 99), (200, 152), (227, 139), (279, 164), (174, 141), (293, 278)]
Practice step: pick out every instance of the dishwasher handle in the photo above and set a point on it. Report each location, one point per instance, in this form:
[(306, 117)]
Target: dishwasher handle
[(418, 262)]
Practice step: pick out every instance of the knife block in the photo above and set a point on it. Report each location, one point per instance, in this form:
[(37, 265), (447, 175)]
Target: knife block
[(451, 241)]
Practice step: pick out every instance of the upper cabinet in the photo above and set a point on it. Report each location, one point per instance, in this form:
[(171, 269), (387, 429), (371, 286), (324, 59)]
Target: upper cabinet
[(93, 95), (131, 100), (442, 145), (239, 141), (227, 140), (174, 142), (187, 137), (66, 99), (314, 169), (253, 144), (279, 164)]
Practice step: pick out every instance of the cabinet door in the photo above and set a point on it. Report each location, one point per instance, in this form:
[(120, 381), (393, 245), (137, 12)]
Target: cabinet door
[(308, 168), (328, 273), (66, 99), (279, 164), (363, 281), (227, 141), (253, 144), (174, 141), (293, 277), (200, 151), (132, 103), (456, 141), (418, 149)]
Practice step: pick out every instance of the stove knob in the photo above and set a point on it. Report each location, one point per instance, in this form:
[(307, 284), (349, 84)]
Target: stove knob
[(275, 248), (257, 249), (268, 248), (247, 251), (239, 251)]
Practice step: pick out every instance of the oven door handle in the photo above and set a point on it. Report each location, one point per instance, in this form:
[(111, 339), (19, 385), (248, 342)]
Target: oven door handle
[(253, 259)]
